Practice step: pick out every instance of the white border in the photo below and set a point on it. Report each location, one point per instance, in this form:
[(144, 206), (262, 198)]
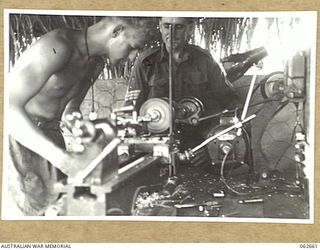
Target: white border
[(223, 14), (160, 218), (312, 120), (259, 14), (5, 172)]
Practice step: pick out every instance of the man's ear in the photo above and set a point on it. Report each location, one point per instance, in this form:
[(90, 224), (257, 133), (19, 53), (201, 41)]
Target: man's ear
[(117, 30), (160, 26), (189, 31)]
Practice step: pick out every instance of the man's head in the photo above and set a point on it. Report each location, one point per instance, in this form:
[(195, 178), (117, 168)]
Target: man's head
[(126, 35), (182, 28)]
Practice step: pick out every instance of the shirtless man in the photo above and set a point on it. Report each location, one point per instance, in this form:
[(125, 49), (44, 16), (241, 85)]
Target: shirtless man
[(49, 80)]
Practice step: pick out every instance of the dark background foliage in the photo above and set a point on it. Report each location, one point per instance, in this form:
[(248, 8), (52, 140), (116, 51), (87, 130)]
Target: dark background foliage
[(223, 34)]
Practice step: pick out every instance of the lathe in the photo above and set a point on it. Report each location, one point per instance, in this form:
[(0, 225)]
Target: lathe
[(136, 150), (143, 147)]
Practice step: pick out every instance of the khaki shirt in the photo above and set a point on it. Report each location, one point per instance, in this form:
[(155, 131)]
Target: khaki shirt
[(197, 75)]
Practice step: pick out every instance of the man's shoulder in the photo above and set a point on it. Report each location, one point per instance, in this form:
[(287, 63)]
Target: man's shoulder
[(199, 51), (53, 49), (61, 37), (149, 54), (59, 42)]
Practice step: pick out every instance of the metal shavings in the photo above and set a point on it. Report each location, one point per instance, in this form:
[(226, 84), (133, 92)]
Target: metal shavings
[(146, 200)]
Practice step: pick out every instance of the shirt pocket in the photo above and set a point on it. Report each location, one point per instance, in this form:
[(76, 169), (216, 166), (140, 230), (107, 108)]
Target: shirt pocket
[(158, 87), (197, 84)]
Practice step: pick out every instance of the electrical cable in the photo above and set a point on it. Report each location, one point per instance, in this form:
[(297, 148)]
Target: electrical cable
[(233, 164), (222, 164), (223, 180)]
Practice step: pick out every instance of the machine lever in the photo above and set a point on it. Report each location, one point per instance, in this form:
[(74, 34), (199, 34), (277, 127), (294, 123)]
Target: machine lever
[(236, 125), (81, 175)]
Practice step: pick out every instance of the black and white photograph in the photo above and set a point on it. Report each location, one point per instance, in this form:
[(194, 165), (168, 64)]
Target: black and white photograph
[(159, 116)]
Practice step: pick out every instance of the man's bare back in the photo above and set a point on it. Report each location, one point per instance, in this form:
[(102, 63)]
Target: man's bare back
[(74, 74)]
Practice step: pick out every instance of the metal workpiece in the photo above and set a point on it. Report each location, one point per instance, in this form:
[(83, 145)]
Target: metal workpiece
[(250, 201), (208, 203)]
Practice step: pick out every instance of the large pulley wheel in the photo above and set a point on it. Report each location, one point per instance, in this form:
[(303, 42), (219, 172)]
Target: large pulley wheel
[(193, 104), (272, 85), (159, 112), (189, 110)]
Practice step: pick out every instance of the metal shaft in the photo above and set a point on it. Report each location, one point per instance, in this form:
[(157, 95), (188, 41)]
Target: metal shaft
[(212, 116), (246, 104), (172, 167), (250, 91), (78, 180), (171, 81), (237, 125)]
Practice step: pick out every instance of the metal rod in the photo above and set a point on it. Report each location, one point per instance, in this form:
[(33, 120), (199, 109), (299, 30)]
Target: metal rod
[(246, 104), (172, 162), (171, 81), (78, 179), (248, 98), (237, 125), (212, 116)]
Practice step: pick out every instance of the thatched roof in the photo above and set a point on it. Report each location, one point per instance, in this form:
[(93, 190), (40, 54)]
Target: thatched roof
[(223, 34)]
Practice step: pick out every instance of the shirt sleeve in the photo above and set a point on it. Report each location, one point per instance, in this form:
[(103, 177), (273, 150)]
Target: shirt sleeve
[(225, 95)]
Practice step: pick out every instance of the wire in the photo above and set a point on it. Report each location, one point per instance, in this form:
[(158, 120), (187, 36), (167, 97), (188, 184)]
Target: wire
[(223, 163), (223, 180)]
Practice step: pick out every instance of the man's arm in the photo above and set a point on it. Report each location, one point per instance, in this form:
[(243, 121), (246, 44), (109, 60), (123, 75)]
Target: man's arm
[(27, 79), (227, 97), (74, 104)]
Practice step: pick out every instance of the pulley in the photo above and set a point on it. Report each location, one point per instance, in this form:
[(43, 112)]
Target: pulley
[(158, 111), (273, 85), (189, 110)]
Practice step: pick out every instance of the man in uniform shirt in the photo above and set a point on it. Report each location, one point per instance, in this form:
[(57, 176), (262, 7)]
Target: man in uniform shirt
[(195, 73)]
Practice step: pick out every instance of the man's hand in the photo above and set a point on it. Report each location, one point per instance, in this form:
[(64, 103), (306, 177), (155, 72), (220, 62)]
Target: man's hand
[(72, 163), (201, 158)]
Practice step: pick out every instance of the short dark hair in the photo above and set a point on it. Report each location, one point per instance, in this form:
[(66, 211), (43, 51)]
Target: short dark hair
[(143, 26), (136, 22)]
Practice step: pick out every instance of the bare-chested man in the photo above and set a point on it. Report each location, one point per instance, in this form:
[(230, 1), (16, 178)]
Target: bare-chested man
[(50, 79)]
